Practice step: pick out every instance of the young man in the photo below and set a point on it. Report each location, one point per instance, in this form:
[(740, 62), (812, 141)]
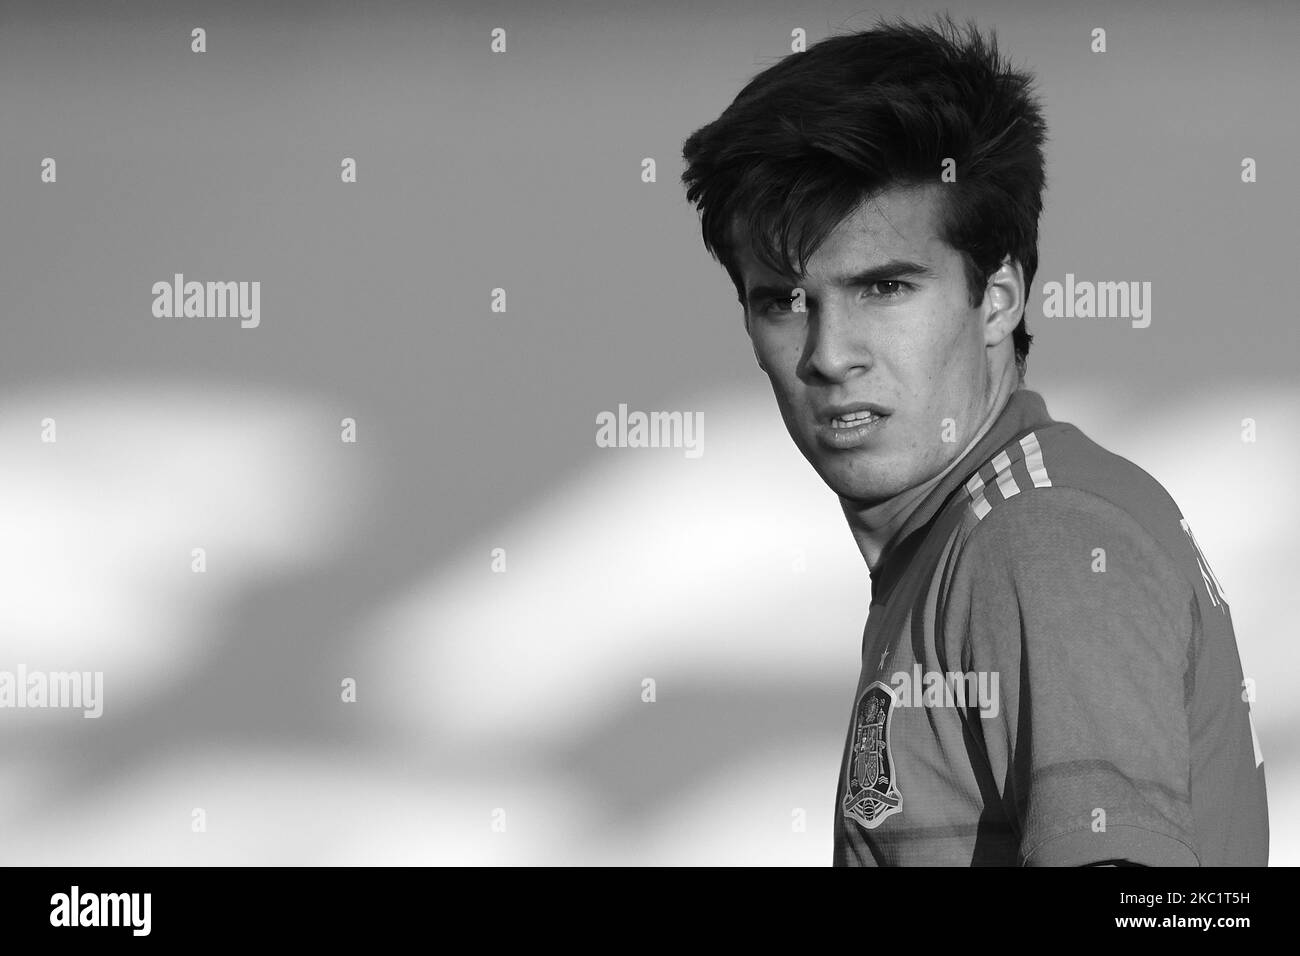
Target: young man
[(1049, 670)]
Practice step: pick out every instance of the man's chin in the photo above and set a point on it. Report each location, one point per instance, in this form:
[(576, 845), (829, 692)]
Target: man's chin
[(859, 477), (856, 493), (857, 499)]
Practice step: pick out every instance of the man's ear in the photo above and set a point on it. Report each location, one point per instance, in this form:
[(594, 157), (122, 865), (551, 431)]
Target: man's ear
[(1004, 301)]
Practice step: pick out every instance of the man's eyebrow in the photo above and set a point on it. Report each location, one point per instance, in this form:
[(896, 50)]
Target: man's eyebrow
[(894, 269)]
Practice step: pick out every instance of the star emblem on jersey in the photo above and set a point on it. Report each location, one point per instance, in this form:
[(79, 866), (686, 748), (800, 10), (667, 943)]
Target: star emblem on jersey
[(871, 793)]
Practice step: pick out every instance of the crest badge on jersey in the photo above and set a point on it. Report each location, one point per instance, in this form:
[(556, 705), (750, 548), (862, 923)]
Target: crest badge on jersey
[(871, 791)]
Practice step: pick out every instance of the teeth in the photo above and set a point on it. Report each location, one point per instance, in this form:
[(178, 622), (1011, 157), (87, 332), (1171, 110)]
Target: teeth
[(853, 419)]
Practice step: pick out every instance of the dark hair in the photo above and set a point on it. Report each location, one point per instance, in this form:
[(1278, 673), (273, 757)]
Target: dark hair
[(809, 138)]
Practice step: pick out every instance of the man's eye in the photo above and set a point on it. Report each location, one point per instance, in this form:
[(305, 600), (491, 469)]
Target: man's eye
[(888, 289), (780, 305), (891, 288)]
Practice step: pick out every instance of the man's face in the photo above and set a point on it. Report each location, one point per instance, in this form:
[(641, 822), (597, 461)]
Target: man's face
[(888, 329)]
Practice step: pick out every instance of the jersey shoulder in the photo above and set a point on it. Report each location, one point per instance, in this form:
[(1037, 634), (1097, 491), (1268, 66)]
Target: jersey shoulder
[(1059, 455), (1057, 468)]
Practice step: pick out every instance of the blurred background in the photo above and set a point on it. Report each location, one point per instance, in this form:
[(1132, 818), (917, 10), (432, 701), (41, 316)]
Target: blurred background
[(730, 579)]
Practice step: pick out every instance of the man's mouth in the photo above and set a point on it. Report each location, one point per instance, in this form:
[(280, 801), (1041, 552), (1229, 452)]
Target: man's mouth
[(843, 427), (854, 419)]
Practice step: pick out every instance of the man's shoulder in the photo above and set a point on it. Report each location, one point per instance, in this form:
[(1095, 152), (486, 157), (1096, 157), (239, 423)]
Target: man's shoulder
[(1057, 467), (1060, 455), (1053, 488)]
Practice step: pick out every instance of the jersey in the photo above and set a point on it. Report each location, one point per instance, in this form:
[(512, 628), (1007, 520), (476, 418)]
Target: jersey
[(1049, 674)]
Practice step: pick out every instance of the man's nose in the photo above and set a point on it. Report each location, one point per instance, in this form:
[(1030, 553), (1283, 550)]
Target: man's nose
[(836, 345)]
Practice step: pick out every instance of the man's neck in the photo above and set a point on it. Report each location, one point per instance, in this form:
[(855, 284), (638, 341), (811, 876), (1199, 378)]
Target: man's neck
[(874, 525)]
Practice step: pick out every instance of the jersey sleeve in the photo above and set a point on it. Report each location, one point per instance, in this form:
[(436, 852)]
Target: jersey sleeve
[(1081, 620)]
